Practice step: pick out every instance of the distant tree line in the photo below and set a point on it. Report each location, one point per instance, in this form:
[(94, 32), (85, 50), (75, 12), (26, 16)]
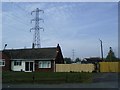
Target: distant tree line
[(109, 58), (69, 60)]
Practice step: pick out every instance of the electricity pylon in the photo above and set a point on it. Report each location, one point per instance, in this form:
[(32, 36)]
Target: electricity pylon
[(37, 28)]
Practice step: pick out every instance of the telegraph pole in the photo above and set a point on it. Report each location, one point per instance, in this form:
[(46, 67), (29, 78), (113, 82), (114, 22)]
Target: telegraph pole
[(101, 49), (37, 28)]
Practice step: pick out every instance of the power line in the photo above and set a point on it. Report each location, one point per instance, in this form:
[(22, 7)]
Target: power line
[(17, 14), (16, 19), (27, 13)]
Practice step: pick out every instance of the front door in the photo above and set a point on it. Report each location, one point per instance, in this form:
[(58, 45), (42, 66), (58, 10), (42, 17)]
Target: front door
[(29, 66)]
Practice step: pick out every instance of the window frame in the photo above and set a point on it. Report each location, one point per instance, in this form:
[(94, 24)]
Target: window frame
[(17, 63), (3, 62), (44, 64)]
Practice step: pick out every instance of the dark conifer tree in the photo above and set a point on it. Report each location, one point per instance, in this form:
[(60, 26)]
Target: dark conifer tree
[(111, 56)]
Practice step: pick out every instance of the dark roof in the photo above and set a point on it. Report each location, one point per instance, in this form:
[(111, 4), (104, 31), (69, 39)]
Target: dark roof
[(36, 53), (92, 60)]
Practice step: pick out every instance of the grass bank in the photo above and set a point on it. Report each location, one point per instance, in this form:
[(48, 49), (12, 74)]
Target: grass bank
[(49, 77)]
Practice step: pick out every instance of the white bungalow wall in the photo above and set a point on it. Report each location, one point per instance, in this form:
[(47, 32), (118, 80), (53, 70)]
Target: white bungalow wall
[(18, 68)]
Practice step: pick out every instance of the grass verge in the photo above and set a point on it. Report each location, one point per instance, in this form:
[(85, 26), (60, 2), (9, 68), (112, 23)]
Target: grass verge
[(46, 78)]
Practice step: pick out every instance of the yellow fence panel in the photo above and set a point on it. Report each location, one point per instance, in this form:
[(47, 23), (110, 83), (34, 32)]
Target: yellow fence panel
[(109, 66), (62, 68), (74, 67)]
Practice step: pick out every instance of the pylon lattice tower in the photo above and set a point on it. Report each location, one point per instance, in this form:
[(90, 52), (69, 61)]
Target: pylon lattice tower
[(73, 52), (37, 28)]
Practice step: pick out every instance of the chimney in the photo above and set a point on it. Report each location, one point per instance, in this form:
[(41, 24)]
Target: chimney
[(58, 48), (57, 45)]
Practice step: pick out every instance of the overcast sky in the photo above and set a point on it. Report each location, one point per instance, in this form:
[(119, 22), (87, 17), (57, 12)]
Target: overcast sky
[(75, 26)]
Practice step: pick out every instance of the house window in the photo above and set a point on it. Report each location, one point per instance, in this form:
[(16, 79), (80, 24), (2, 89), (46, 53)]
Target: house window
[(2, 62), (17, 63), (44, 64)]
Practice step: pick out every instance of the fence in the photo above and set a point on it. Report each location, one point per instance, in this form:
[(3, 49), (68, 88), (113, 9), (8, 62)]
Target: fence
[(75, 67), (109, 66)]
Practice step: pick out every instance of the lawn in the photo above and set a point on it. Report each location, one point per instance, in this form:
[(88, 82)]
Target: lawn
[(48, 77)]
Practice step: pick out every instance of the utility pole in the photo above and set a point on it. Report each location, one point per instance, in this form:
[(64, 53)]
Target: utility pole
[(37, 28), (101, 49)]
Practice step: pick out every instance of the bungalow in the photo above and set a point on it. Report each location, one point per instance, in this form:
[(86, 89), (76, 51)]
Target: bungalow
[(92, 60), (31, 59)]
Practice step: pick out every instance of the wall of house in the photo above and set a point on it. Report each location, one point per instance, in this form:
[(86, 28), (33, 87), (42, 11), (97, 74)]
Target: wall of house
[(7, 62), (37, 69), (59, 57), (21, 67), (75, 67), (18, 68)]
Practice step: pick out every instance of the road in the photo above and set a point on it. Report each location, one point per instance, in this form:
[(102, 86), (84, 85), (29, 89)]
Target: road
[(100, 80), (80, 85)]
